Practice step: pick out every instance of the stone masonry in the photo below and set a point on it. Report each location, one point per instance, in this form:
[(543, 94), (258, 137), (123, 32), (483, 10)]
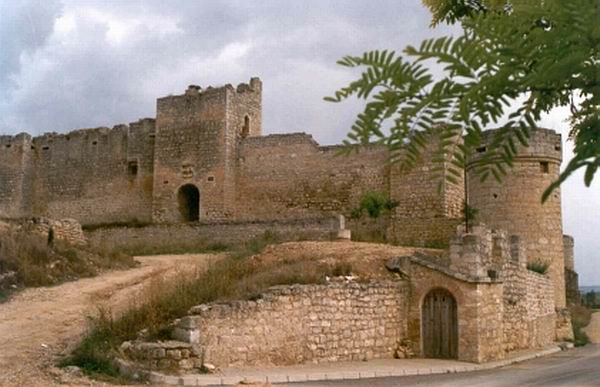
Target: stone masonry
[(501, 307), (204, 158), (202, 169)]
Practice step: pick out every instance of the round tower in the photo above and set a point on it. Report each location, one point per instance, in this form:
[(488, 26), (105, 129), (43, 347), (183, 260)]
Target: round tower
[(515, 205)]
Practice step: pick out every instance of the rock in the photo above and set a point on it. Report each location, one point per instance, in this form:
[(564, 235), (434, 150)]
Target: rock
[(126, 346), (208, 368), (398, 265), (73, 370)]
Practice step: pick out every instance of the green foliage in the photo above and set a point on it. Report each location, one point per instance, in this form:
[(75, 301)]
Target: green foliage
[(539, 266), (375, 204), (470, 213), (513, 61)]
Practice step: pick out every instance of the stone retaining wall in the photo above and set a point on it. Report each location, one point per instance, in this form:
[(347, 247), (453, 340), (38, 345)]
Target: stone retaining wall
[(165, 355), (177, 237), (301, 323), (529, 312)]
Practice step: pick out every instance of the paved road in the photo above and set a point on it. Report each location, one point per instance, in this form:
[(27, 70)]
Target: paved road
[(576, 367)]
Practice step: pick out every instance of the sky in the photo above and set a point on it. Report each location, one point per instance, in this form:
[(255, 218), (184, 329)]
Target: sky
[(79, 64)]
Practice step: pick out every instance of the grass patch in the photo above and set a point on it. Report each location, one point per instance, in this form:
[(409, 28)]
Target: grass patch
[(580, 318), (241, 275), (36, 260), (539, 266)]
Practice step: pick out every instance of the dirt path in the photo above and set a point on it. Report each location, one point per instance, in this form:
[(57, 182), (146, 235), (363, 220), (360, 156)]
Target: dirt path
[(39, 325)]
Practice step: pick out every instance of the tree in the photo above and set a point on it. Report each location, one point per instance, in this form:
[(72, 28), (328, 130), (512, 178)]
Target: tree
[(513, 61)]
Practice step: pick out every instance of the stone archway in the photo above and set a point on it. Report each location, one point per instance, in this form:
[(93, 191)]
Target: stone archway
[(439, 325), (188, 199)]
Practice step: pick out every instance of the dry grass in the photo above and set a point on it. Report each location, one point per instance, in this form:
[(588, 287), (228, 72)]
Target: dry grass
[(241, 275), (36, 262)]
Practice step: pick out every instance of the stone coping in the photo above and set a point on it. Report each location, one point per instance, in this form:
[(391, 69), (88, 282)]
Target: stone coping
[(332, 371), (452, 273)]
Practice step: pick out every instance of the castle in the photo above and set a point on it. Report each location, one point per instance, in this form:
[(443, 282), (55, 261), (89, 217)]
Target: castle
[(204, 160)]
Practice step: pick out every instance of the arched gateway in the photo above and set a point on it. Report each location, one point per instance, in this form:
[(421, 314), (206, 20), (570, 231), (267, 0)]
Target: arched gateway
[(439, 325), (188, 198)]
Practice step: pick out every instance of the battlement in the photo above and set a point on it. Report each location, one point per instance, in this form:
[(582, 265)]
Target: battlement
[(544, 145), (254, 86), (21, 141), (280, 140)]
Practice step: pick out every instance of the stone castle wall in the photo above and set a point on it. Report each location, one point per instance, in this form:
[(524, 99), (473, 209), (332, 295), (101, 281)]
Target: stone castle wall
[(97, 175), (291, 176), (210, 140), (301, 323)]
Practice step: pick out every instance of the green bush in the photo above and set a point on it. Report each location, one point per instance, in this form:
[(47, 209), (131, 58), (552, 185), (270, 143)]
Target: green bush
[(375, 204), (539, 266), (580, 318)]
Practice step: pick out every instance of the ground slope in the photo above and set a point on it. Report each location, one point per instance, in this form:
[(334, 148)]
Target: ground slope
[(39, 325)]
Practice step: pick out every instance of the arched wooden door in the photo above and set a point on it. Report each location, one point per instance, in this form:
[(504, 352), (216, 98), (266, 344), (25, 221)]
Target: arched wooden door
[(439, 325)]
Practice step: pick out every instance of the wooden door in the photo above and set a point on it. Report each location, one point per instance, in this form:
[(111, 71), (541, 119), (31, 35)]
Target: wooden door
[(439, 325)]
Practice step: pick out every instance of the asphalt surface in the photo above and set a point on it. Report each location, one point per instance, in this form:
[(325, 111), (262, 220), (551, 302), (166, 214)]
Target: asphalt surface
[(575, 367)]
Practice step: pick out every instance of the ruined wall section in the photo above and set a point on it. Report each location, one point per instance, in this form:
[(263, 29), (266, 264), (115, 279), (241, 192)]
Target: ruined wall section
[(87, 175), (515, 203), (288, 176), (16, 166)]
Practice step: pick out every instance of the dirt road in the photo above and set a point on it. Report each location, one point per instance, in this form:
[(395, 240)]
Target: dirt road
[(40, 325)]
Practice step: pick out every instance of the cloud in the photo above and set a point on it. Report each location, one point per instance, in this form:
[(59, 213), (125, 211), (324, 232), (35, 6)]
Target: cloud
[(74, 64)]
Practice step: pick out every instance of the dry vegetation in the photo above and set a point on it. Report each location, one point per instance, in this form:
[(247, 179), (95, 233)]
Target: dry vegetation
[(580, 317), (243, 274), (28, 260)]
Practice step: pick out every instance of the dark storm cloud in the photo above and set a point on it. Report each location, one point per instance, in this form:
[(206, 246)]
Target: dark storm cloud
[(75, 64)]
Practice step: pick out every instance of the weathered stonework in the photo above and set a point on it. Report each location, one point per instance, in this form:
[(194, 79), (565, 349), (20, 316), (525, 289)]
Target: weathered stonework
[(68, 230), (501, 307), (514, 204), (204, 158), (202, 170), (301, 323)]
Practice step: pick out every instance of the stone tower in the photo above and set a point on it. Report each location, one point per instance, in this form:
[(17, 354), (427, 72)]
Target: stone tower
[(514, 205), (197, 137)]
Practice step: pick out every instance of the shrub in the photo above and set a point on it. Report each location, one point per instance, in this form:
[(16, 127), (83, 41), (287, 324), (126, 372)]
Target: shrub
[(241, 275), (580, 318), (375, 204), (539, 266)]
